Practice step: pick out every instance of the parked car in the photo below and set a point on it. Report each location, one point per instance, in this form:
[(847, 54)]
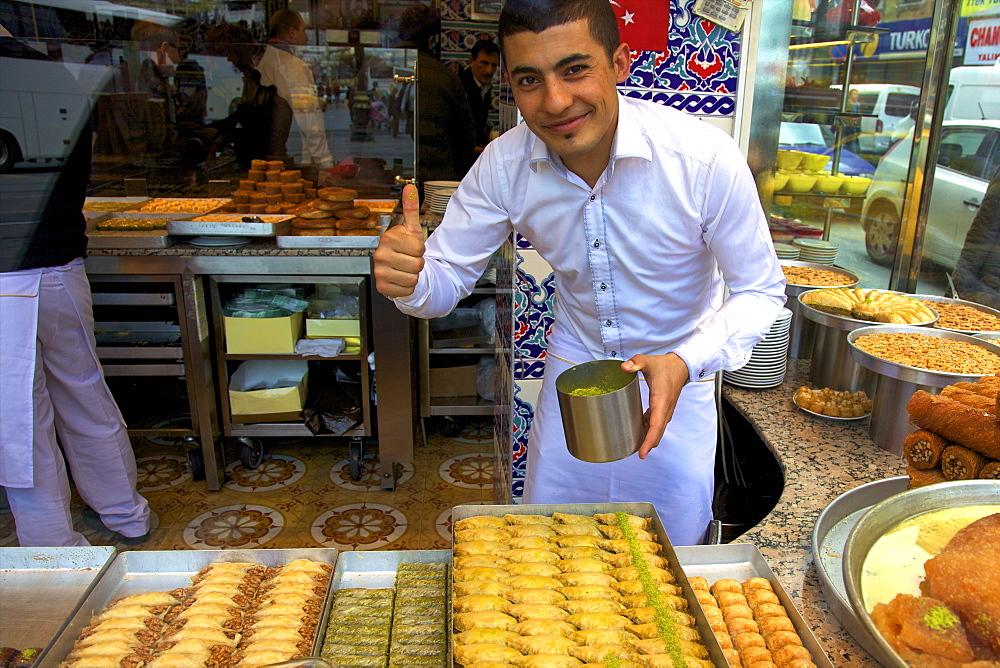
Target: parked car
[(814, 138), (968, 156)]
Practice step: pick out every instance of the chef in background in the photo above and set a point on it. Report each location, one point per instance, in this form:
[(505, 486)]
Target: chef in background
[(55, 408), (644, 214), (280, 67)]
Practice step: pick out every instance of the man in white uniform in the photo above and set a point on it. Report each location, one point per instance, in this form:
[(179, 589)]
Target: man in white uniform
[(643, 213), (281, 68), (53, 385)]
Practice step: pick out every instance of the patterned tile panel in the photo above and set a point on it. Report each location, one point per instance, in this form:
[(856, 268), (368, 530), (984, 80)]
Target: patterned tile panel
[(534, 301)]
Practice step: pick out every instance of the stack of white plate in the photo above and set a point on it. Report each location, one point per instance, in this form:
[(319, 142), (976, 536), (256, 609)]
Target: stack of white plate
[(786, 251), (817, 250), (437, 194), (767, 364)]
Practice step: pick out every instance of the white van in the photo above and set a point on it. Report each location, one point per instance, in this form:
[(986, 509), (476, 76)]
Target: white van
[(892, 105), (973, 93)]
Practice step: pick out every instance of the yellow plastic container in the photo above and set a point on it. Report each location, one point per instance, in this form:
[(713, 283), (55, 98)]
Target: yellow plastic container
[(789, 160), (828, 184), (813, 161), (800, 183)]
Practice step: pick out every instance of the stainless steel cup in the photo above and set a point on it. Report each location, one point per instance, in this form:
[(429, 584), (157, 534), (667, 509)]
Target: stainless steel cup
[(605, 424)]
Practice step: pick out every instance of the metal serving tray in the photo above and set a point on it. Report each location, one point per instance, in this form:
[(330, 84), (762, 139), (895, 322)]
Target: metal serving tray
[(715, 653), (960, 302), (327, 242), (912, 374), (829, 539), (42, 587), (127, 204), (376, 569), (206, 228), (139, 572), (847, 323), (743, 561), (129, 238)]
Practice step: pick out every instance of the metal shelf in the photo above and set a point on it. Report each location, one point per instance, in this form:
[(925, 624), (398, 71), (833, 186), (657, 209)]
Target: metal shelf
[(172, 370), (140, 352), (350, 357), (284, 429), (460, 406), (462, 351)]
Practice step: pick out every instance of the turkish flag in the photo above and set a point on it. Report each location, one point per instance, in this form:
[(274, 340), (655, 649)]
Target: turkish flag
[(643, 24)]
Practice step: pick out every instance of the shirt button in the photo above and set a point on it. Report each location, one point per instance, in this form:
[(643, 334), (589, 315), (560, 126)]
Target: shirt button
[(593, 197), (607, 322), (614, 353), (597, 244), (604, 286), (701, 375)]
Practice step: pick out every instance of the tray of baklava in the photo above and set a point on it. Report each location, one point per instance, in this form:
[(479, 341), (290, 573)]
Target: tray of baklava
[(200, 608), (390, 608), (574, 584), (750, 613)]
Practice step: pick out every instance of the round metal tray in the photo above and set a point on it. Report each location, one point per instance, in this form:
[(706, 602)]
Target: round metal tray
[(815, 265), (847, 323), (912, 374), (829, 537), (887, 515), (961, 302), (987, 336)]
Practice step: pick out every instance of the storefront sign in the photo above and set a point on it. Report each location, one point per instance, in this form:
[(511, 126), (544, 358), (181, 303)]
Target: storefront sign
[(973, 7), (983, 44), (908, 39)]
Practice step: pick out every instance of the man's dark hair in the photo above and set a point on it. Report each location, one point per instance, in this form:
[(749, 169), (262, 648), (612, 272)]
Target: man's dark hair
[(418, 24), (487, 46), (519, 16), (284, 21)]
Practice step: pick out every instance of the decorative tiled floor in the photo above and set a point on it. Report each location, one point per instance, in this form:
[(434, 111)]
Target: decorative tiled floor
[(302, 495)]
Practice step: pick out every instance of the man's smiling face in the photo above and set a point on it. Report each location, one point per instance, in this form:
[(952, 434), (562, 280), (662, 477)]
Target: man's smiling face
[(564, 86)]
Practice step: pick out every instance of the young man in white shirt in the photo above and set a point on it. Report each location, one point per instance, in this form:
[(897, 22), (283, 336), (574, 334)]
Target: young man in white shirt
[(643, 213)]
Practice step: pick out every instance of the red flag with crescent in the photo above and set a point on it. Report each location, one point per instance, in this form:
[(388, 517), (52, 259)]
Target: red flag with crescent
[(643, 24)]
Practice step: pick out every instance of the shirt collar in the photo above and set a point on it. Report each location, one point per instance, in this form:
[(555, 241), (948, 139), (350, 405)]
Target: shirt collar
[(630, 140)]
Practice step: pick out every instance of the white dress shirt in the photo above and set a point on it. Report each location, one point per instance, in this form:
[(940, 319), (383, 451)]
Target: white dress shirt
[(640, 259), (295, 84)]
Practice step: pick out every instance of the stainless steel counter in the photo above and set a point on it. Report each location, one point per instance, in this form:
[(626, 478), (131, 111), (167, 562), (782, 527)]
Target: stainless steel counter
[(392, 332), (820, 459)]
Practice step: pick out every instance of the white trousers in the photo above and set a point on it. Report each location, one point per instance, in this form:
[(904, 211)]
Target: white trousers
[(678, 476), (70, 399)]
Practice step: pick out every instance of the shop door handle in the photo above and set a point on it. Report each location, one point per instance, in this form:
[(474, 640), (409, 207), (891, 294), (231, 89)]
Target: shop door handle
[(396, 78), (401, 181), (971, 202)]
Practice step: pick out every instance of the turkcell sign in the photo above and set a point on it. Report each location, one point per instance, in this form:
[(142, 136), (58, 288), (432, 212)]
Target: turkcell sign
[(983, 44), (908, 38)]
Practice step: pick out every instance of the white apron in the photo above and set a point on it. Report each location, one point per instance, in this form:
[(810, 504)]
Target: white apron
[(678, 476), (18, 327)]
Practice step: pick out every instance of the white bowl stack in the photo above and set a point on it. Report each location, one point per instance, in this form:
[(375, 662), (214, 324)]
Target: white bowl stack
[(817, 250), (769, 359), (786, 251), (437, 194)]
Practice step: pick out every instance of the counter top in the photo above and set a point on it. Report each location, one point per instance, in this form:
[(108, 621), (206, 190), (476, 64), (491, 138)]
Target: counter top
[(821, 459), (263, 247)]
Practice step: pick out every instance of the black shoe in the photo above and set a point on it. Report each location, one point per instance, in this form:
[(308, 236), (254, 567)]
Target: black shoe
[(132, 542)]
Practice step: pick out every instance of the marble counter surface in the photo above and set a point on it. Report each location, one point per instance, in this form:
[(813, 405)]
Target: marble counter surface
[(262, 247), (821, 459)]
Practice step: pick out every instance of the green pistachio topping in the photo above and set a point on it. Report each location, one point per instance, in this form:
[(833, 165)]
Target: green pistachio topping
[(940, 618), (611, 661), (663, 616)]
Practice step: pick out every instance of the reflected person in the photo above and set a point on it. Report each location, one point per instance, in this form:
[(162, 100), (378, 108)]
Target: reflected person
[(977, 273)]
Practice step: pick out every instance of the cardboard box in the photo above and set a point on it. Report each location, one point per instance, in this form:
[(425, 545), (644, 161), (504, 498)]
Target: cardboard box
[(329, 328), (456, 381), (263, 336), (268, 391)]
